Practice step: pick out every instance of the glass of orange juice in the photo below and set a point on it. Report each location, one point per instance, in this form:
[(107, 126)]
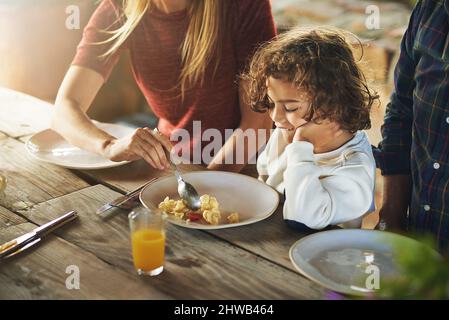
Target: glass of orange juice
[(147, 241)]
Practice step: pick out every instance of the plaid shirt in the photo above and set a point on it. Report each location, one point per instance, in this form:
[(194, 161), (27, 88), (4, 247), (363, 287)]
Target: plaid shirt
[(416, 129)]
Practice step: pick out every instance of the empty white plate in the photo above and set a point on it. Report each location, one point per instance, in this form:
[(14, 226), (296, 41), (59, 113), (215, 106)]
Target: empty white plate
[(343, 260), (49, 146), (251, 198)]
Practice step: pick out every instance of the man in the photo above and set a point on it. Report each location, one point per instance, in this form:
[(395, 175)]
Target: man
[(414, 152)]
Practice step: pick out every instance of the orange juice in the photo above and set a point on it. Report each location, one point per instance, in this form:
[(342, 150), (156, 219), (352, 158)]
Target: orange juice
[(148, 246)]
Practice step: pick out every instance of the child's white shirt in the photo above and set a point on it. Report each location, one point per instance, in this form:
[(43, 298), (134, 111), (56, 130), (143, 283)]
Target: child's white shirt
[(324, 189)]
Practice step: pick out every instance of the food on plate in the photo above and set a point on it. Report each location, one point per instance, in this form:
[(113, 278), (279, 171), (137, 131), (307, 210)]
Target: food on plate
[(233, 217), (212, 216), (208, 202), (209, 210)]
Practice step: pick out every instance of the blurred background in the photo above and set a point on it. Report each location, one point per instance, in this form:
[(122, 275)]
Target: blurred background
[(36, 50)]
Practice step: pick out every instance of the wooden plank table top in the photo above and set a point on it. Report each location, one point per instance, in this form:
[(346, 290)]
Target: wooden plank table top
[(249, 262)]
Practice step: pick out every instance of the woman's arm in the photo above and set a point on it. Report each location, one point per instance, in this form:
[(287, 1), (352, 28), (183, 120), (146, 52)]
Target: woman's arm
[(69, 119), (238, 148), (253, 24)]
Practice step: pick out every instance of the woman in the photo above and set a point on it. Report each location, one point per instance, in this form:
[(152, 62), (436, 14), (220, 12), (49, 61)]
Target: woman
[(186, 57)]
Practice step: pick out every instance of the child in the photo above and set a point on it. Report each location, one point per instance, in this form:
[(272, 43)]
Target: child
[(309, 82)]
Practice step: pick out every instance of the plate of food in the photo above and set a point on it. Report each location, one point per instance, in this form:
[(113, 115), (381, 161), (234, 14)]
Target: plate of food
[(348, 261), (227, 200), (49, 146)]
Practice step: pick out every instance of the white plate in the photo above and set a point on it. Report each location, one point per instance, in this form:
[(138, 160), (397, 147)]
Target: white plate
[(49, 146), (252, 199), (339, 259)]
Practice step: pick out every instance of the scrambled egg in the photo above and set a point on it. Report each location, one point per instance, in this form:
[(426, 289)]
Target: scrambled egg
[(233, 217), (209, 209)]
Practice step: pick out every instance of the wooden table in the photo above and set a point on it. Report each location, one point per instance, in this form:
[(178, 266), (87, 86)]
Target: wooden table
[(249, 262)]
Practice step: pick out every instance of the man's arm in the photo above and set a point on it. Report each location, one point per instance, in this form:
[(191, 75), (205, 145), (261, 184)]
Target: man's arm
[(394, 155)]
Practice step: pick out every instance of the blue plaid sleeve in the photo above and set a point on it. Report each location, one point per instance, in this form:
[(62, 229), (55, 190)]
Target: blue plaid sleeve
[(393, 154)]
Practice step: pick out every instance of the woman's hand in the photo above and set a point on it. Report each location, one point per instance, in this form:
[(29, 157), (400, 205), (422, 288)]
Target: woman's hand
[(142, 143)]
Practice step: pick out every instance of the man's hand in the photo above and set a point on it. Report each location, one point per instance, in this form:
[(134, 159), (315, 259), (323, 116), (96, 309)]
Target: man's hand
[(395, 203), (391, 219)]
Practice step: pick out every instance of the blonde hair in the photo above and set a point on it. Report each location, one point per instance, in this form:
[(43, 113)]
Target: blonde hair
[(202, 42)]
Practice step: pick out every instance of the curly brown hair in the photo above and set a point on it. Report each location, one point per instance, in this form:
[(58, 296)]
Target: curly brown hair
[(321, 62)]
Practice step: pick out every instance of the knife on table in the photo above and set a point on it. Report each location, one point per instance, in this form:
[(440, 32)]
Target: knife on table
[(126, 202), (31, 238)]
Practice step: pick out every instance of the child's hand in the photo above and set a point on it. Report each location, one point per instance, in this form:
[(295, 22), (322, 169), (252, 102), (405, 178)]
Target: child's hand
[(319, 135), (287, 136), (303, 131)]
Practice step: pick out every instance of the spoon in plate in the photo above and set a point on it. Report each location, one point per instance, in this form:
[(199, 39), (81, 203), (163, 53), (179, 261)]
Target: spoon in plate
[(185, 190)]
